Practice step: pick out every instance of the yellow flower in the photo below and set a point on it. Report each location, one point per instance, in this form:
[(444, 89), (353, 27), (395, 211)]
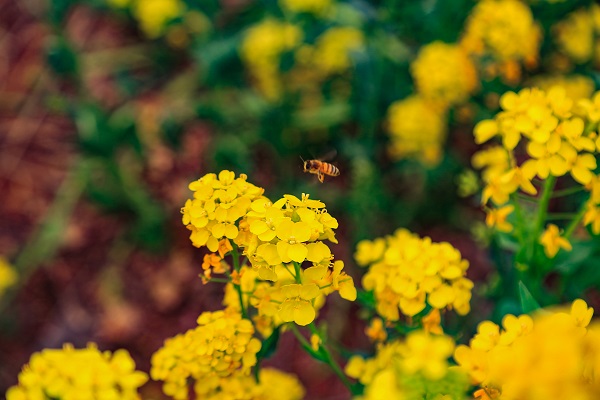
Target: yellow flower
[(503, 29), (218, 204), (552, 241), (368, 252), (410, 137), (526, 351), (221, 346), (497, 218), (332, 50), (262, 48), (432, 322), (8, 276), (316, 7), (416, 368), (154, 15), (427, 354), (592, 217), (297, 305), (70, 373), (575, 35), (415, 272), (376, 330), (449, 85), (576, 87)]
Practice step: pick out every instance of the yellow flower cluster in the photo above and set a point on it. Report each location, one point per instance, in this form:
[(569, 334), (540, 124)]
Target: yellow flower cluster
[(504, 30), (576, 87), (577, 35), (332, 50), (316, 7), (8, 276), (73, 374), (154, 15), (557, 134), (221, 346), (416, 368), (443, 73), (219, 202), (261, 50), (551, 355), (412, 272), (409, 136)]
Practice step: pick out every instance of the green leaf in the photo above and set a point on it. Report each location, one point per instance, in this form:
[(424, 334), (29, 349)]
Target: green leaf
[(269, 345), (528, 303)]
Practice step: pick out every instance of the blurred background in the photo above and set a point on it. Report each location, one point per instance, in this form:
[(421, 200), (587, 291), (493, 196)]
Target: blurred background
[(109, 108)]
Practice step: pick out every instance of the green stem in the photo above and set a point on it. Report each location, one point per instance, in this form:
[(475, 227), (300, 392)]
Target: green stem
[(236, 265), (297, 270), (575, 221), (327, 357), (559, 216), (543, 207), (567, 191), (331, 361)]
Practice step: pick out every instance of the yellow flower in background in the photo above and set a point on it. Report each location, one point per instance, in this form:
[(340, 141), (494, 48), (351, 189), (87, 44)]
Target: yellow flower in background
[(416, 368), (221, 346), (414, 272), (369, 251), (219, 203), (8, 276), (444, 73), (154, 15), (316, 7), (519, 360), (332, 50), (70, 373), (504, 29), (272, 384), (261, 50), (410, 137), (376, 330), (576, 87), (592, 217), (575, 35), (553, 242), (496, 218)]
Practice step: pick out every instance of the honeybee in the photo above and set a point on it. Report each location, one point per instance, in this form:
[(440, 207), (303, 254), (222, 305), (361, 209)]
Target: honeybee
[(320, 168)]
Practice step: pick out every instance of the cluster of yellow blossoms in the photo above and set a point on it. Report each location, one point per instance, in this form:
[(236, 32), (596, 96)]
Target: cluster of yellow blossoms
[(438, 89), (413, 369), (558, 137), (221, 346), (577, 35), (277, 239), (552, 355), (262, 48), (316, 7), (266, 42), (219, 203), (73, 374), (450, 85), (153, 16), (505, 31), (407, 273), (409, 137)]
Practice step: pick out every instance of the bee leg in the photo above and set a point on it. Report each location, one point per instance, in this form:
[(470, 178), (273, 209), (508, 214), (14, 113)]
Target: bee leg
[(321, 176)]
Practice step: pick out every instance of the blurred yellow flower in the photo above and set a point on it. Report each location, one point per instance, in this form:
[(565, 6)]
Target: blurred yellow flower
[(496, 218), (444, 73), (553, 242), (410, 137), (261, 50), (154, 15), (575, 35), (70, 373), (332, 50), (316, 7), (416, 368), (8, 276)]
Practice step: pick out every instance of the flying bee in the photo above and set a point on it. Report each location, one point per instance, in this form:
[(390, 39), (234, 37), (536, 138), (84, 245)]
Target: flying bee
[(320, 168)]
